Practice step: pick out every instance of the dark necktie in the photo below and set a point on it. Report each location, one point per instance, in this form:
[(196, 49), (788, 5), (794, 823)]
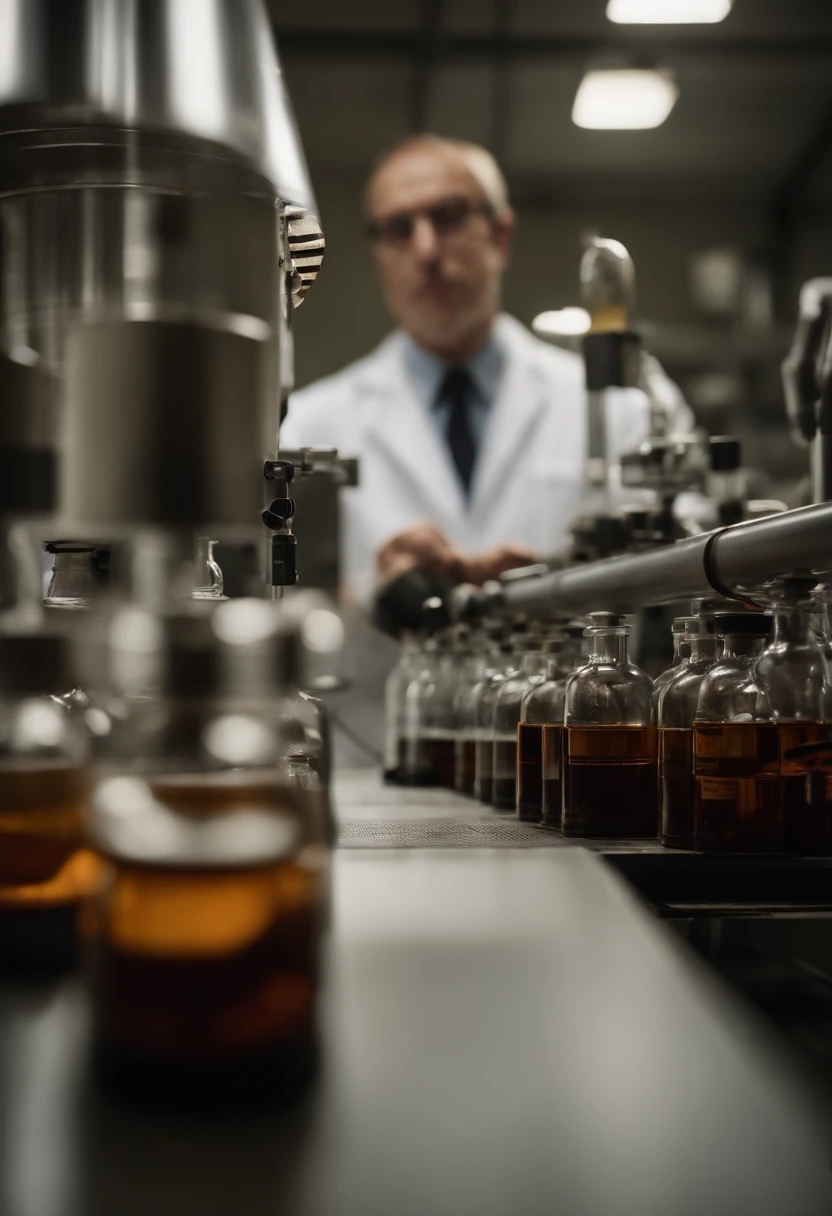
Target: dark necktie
[(456, 393)]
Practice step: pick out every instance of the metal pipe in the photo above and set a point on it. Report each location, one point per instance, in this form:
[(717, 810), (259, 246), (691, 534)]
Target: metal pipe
[(742, 555)]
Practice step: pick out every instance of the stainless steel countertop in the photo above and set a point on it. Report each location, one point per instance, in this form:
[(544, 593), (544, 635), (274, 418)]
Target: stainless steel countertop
[(505, 1031)]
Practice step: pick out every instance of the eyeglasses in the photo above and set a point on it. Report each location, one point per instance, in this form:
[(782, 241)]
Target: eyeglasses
[(448, 217)]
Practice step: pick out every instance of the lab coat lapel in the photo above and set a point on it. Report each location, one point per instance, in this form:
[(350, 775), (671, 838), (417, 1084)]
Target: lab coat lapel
[(398, 424), (521, 398)]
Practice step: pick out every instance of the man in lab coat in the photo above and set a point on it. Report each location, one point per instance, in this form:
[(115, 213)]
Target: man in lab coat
[(471, 433)]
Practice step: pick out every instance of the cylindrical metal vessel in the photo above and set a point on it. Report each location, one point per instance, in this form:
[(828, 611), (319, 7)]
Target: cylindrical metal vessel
[(148, 155)]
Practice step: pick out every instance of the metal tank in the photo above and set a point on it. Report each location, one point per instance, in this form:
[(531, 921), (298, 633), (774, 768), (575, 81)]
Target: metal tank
[(150, 169)]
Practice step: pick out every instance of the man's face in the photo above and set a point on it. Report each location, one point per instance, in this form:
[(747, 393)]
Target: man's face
[(438, 249)]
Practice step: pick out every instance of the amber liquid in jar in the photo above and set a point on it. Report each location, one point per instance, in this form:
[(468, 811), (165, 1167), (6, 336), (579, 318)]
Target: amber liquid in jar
[(552, 812), (676, 787), (413, 764), (204, 978), (484, 771), (610, 781), (529, 805), (739, 802), (464, 763), (505, 774)]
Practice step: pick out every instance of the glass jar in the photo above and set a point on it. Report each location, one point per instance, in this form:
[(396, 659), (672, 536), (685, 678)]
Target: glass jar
[(738, 808), (610, 778), (680, 657), (676, 712), (203, 942), (791, 668), (415, 767), (46, 866), (79, 574), (508, 708), (208, 580)]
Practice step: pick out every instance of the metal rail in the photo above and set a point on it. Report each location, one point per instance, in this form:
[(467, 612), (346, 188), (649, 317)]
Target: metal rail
[(745, 554)]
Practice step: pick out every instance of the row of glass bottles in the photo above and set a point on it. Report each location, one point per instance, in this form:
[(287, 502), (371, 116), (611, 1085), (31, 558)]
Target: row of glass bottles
[(591, 746), (190, 844)]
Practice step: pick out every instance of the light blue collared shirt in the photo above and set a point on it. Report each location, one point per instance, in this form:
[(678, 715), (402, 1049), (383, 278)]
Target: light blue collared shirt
[(427, 371)]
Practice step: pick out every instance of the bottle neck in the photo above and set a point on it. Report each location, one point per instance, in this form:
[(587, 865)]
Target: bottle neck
[(678, 654), (703, 648), (609, 648), (742, 646), (792, 625)]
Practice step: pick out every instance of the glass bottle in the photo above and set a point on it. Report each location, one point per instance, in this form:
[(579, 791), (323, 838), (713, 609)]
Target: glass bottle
[(676, 712), (203, 942), (540, 734), (395, 707), (507, 716), (610, 778), (485, 700), (680, 657), (738, 808), (415, 767), (479, 666), (791, 669), (46, 866), (437, 714)]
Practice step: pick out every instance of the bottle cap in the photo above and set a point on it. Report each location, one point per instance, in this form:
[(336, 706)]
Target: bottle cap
[(751, 624)]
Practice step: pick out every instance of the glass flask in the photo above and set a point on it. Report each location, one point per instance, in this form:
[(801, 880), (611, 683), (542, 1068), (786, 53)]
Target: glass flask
[(395, 704), (319, 750), (791, 669), (203, 941), (680, 657), (507, 716), (486, 699), (676, 712), (479, 666), (738, 808), (46, 866), (609, 749)]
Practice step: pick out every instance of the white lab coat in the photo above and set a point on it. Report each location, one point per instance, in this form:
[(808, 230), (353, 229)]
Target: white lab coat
[(529, 480)]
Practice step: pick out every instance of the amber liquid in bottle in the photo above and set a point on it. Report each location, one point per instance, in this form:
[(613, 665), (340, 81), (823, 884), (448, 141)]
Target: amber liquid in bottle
[(676, 787), (204, 979), (43, 855), (484, 770), (414, 768), (505, 774), (465, 760), (806, 816), (529, 772), (440, 760), (610, 781), (553, 740), (739, 801)]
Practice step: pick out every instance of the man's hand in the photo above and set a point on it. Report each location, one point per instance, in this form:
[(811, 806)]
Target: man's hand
[(424, 548), (492, 562)]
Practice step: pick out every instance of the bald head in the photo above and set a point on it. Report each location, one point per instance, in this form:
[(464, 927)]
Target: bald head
[(441, 228)]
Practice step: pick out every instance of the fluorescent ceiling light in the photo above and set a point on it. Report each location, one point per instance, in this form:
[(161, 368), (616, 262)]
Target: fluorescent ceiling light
[(624, 99), (668, 12), (562, 322)]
